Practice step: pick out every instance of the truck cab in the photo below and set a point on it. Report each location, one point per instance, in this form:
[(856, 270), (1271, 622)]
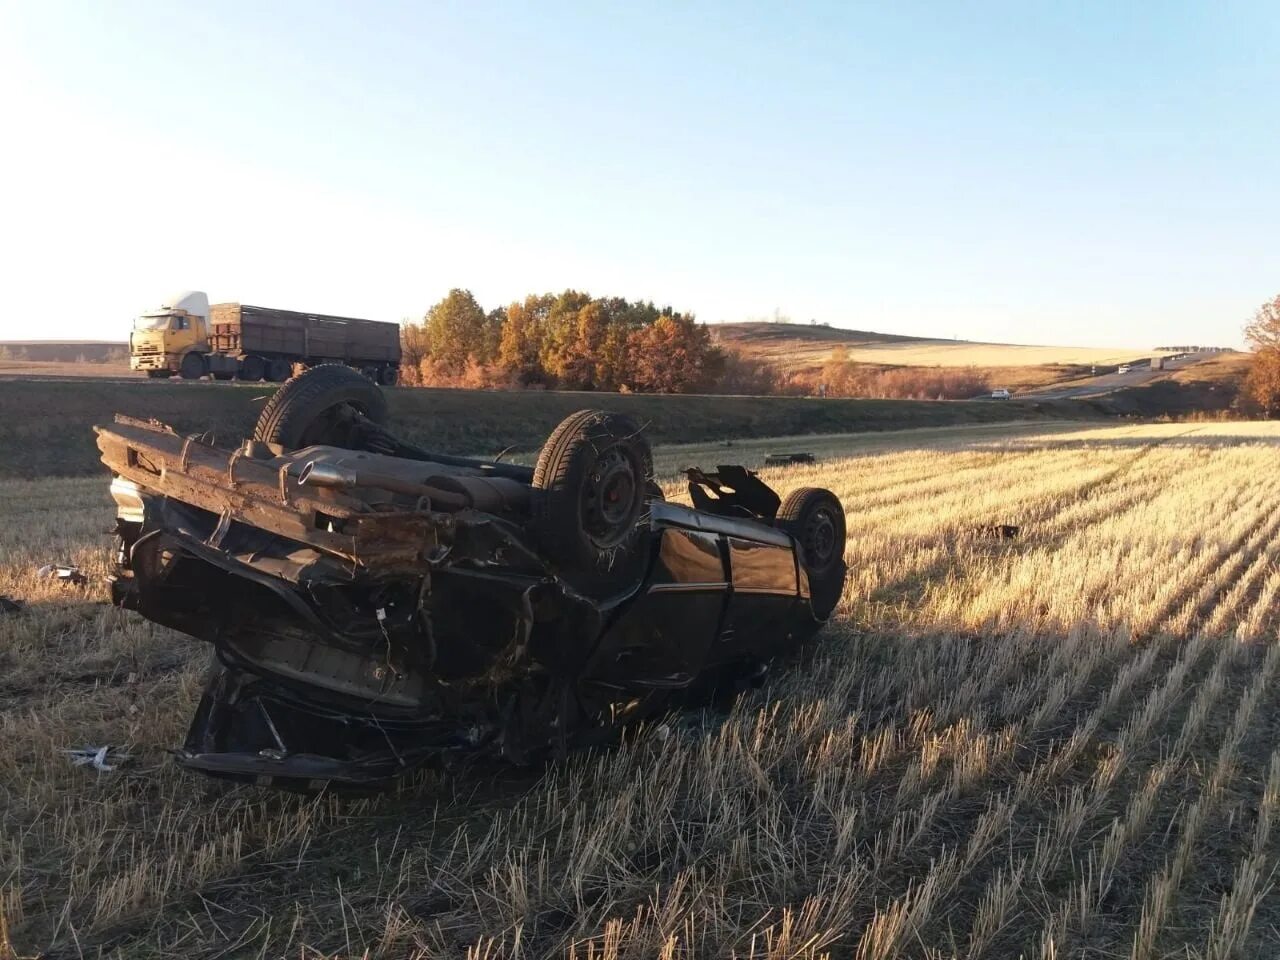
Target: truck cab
[(163, 338)]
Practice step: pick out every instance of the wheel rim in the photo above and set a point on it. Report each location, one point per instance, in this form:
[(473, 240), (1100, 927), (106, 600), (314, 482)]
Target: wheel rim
[(820, 543), (608, 504), (334, 427)]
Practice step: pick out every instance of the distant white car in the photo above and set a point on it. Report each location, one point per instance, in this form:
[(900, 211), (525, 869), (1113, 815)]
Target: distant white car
[(1124, 368), (1000, 394)]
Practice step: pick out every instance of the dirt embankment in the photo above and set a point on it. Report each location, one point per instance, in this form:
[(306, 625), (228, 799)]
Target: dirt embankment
[(47, 430)]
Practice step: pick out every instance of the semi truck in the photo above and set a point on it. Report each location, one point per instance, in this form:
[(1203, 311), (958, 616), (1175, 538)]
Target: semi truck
[(188, 337)]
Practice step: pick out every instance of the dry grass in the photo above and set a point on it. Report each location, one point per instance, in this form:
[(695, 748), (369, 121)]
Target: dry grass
[(1058, 745), (67, 368)]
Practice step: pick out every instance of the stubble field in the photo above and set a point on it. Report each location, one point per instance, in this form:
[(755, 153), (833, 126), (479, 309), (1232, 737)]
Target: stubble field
[(1063, 744)]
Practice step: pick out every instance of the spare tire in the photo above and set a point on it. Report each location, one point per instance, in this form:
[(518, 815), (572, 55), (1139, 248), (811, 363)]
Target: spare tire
[(814, 518), (313, 407), (593, 476)]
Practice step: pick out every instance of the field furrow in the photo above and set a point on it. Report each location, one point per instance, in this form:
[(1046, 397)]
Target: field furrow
[(1058, 742)]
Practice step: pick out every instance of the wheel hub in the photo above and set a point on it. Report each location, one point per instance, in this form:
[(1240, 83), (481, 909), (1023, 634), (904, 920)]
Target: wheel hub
[(609, 499)]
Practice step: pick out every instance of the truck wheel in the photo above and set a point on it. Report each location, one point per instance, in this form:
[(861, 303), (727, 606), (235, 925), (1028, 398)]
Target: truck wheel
[(313, 408), (192, 367), (594, 473), (252, 369), (814, 518), (159, 374), (388, 376), (278, 371)]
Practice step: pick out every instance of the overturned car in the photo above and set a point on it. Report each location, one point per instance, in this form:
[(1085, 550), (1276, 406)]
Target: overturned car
[(373, 606)]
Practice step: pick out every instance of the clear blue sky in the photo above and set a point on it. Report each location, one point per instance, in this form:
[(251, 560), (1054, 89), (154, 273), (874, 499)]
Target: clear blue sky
[(1083, 173)]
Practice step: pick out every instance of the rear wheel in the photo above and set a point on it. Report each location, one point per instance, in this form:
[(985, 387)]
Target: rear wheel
[(278, 371), (159, 374), (388, 376), (192, 367), (814, 518), (252, 369), (594, 473), (315, 408)]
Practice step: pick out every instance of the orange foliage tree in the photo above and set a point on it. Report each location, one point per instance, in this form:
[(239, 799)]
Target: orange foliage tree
[(1262, 385)]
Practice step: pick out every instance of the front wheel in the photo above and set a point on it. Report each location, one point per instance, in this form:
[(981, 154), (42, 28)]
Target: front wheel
[(814, 518), (192, 367)]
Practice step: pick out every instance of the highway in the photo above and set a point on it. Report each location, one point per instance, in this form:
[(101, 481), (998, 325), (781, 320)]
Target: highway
[(1107, 382)]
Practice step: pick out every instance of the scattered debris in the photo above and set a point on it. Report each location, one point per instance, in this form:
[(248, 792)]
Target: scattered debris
[(783, 459), (65, 572), (96, 757), (999, 531), (9, 605)]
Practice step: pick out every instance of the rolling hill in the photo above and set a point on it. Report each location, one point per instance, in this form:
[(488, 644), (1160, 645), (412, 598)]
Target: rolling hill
[(798, 346)]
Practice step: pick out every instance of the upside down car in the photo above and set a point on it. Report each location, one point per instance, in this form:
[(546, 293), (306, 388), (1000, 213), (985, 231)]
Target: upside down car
[(373, 606)]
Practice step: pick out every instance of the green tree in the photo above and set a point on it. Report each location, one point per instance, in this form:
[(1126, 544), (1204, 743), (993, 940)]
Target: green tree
[(456, 331)]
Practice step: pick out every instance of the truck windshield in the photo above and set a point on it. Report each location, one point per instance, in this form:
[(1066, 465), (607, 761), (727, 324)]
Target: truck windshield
[(152, 323)]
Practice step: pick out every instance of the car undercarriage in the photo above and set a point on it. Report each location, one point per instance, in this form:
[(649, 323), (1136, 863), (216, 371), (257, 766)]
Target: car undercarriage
[(373, 607)]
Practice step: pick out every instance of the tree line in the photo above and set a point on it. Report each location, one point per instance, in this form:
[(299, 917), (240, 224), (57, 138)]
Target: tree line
[(566, 341)]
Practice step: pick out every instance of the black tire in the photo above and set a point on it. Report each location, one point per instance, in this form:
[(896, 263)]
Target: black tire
[(593, 475), (252, 369), (278, 371), (308, 409), (388, 376), (814, 518), (159, 374), (192, 367)]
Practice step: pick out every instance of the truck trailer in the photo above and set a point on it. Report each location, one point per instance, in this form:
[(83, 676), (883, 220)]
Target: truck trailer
[(187, 336)]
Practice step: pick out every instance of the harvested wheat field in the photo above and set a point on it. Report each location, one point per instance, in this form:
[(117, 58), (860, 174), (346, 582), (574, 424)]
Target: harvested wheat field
[(1063, 744)]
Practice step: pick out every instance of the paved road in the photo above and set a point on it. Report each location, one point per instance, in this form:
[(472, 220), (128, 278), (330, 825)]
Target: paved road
[(1107, 382)]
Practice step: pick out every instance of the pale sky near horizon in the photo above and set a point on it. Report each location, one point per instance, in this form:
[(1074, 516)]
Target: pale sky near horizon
[(1068, 173)]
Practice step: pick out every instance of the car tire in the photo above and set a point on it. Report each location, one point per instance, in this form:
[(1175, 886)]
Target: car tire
[(592, 483), (814, 518), (192, 367), (307, 409)]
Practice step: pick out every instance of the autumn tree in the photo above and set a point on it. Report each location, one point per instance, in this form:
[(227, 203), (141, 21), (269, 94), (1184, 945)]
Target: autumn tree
[(673, 355), (455, 331), (520, 344), (1262, 385)]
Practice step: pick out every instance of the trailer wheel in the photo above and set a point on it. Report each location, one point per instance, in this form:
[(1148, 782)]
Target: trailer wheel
[(594, 473), (192, 367), (252, 369), (314, 407), (388, 376), (814, 518), (278, 371)]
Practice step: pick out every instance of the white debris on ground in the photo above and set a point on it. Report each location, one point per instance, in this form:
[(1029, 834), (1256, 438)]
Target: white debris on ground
[(96, 757)]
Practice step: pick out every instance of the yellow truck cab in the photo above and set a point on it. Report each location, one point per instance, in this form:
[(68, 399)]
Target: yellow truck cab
[(164, 338)]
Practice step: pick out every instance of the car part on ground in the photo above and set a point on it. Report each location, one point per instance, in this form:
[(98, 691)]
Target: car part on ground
[(786, 459), (374, 606)]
